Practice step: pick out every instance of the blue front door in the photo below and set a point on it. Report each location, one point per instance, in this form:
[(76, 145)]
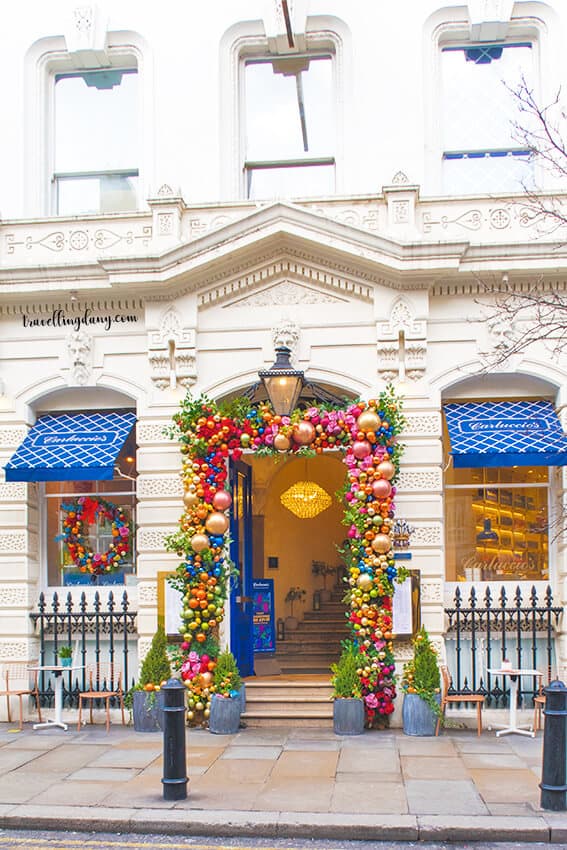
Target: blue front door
[(241, 607)]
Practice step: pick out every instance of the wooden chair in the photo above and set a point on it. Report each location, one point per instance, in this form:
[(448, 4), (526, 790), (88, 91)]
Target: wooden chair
[(103, 688), (477, 699), (13, 674)]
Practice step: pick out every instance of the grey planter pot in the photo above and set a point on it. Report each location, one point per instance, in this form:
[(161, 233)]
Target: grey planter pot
[(225, 715), (147, 711), (418, 718), (348, 716)]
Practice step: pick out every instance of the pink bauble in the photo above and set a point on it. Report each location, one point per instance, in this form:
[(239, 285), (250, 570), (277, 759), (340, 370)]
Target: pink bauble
[(381, 488), (200, 542), (368, 421), (281, 442), (222, 500), (216, 523), (382, 543), (361, 449), (304, 433), (386, 469)]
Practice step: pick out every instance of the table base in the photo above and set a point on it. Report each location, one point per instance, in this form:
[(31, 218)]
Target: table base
[(48, 723), (516, 730)]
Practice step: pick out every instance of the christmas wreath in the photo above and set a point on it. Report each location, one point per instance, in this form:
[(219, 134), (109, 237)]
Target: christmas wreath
[(77, 516)]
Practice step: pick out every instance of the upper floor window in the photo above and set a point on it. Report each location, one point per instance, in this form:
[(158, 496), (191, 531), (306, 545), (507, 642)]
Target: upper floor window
[(289, 126), (95, 141), (480, 153)]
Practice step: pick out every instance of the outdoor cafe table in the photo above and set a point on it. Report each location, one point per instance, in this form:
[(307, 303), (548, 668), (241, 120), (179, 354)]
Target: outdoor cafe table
[(515, 674), (57, 670)]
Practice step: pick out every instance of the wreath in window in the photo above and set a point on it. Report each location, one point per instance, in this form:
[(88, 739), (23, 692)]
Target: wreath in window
[(77, 517)]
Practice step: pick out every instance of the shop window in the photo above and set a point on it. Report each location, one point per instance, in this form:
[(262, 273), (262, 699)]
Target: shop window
[(496, 523), (480, 151), (104, 527), (96, 133), (289, 126)]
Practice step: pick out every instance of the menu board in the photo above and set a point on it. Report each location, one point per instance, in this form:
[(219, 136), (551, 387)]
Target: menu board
[(405, 605)]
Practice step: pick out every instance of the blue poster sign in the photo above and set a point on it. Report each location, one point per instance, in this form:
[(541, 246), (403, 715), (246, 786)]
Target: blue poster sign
[(263, 623)]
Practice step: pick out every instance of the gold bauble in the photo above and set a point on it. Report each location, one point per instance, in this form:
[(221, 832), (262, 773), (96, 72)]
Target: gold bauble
[(281, 442), (364, 581), (200, 542), (368, 421), (382, 543), (216, 523), (190, 499)]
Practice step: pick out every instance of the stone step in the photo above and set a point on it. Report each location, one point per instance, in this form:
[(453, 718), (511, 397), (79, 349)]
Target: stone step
[(271, 719)]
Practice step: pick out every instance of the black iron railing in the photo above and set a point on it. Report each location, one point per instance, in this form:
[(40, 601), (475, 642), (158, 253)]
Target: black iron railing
[(485, 629), (101, 637)]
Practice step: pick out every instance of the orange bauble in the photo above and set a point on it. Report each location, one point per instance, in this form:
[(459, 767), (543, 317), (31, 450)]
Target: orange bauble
[(190, 499), (304, 433), (281, 442), (368, 421), (386, 469)]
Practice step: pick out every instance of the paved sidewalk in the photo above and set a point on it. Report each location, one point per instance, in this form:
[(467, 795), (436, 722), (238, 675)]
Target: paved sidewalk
[(280, 782)]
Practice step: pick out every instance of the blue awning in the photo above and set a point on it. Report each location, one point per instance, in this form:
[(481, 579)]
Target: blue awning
[(505, 433), (71, 447)]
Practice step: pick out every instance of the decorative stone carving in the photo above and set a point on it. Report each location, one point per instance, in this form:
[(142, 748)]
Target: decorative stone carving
[(86, 30), (151, 432), (13, 596), (427, 534), (285, 294), (172, 353), (430, 480), (13, 542), (152, 539), (395, 361), (431, 590), (160, 367), (388, 360), (286, 333), (13, 492), (489, 19), (400, 179), (503, 332), (165, 191), (71, 241), (79, 344), (422, 424), (401, 211), (403, 650), (159, 487), (165, 224), (12, 437), (147, 593), (185, 368), (14, 650)]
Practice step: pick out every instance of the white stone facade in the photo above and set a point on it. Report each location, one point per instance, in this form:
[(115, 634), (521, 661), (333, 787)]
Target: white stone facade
[(193, 288)]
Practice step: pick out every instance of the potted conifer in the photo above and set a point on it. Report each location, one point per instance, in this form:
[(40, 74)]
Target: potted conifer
[(146, 697), (226, 702), (421, 685), (348, 706)]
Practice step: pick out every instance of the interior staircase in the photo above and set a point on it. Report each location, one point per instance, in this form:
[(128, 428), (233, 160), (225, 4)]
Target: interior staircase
[(300, 695)]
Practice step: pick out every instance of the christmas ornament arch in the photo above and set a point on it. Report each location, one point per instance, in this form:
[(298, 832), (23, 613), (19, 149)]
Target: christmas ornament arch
[(366, 433)]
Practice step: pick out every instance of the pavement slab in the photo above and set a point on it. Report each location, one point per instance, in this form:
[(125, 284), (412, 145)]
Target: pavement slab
[(295, 794), (443, 797), (426, 767), (306, 763), (382, 797), (501, 785)]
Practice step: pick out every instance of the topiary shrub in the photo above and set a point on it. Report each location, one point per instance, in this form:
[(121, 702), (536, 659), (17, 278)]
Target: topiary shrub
[(346, 678), (156, 667), (421, 674), (226, 677)]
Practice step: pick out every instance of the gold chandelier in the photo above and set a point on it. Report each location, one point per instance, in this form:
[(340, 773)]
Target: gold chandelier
[(305, 499)]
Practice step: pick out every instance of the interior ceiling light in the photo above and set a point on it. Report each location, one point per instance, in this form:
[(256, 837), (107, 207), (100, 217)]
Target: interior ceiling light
[(305, 499)]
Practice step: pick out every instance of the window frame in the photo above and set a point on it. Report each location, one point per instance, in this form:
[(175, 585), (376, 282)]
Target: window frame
[(250, 166), (55, 177), (46, 59), (486, 153)]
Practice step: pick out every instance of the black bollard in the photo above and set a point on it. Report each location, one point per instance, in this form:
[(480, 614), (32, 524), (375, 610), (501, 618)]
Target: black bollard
[(554, 769), (174, 760)]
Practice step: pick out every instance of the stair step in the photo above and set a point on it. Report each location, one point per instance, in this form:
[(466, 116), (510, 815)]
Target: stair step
[(300, 712)]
